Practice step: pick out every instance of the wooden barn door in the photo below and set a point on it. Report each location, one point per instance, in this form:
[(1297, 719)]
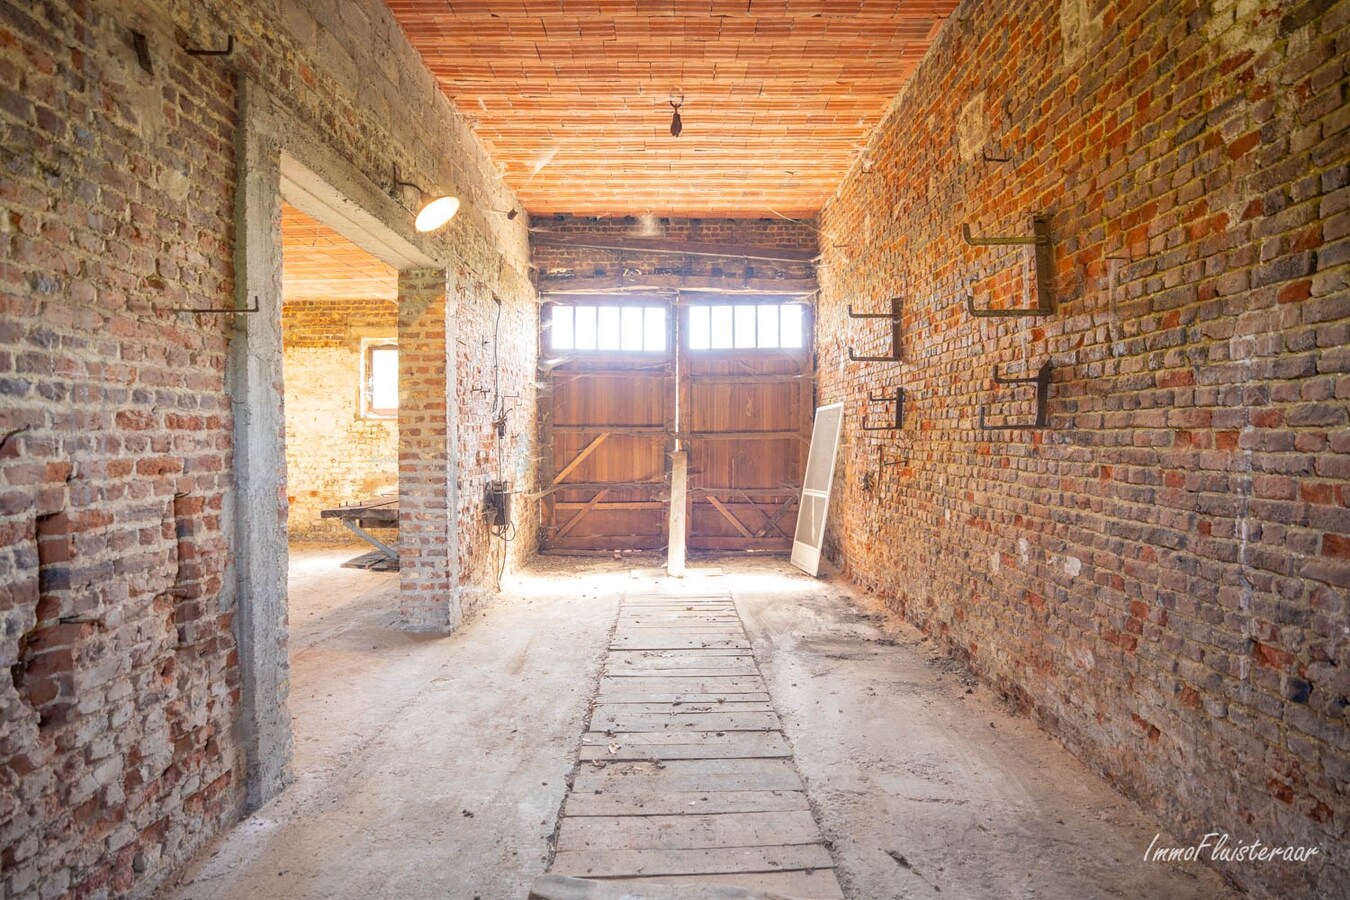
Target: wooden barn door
[(743, 402), (745, 411), (607, 418)]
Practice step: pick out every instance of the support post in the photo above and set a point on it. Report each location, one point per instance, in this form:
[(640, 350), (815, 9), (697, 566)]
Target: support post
[(428, 443), (679, 489)]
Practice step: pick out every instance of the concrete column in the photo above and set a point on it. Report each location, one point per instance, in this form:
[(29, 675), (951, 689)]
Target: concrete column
[(429, 561), (259, 500)]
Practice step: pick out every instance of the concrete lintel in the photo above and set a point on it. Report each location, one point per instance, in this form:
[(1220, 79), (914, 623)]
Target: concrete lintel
[(314, 196)]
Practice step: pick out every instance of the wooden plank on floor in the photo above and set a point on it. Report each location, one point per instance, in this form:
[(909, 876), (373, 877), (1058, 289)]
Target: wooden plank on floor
[(706, 672), (759, 829), (625, 722), (693, 737), (676, 642), (700, 745), (634, 637), (681, 802), (701, 626), (648, 696), (621, 654), (726, 684), (611, 863), (627, 663), (637, 786), (680, 707), (818, 884), (685, 773)]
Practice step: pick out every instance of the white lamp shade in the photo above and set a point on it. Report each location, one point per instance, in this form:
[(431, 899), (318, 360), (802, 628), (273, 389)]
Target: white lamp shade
[(436, 213)]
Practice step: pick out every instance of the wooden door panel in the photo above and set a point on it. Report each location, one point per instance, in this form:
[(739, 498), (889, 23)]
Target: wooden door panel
[(610, 398), (748, 419), (743, 407), (620, 458)]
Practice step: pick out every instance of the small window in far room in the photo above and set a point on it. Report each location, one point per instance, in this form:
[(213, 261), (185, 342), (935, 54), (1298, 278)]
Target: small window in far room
[(626, 329), (745, 326), (379, 379)]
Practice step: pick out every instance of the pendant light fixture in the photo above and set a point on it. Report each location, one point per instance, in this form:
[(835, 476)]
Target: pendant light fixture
[(433, 211), (676, 126)]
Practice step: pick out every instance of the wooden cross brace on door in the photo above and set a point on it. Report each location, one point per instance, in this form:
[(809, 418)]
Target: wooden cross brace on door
[(770, 522), (580, 457), (580, 514)]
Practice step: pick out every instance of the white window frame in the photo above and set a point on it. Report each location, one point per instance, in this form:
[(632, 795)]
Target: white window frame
[(367, 411)]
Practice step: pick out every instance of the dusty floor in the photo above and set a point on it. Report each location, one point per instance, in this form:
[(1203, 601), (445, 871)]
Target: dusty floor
[(436, 767)]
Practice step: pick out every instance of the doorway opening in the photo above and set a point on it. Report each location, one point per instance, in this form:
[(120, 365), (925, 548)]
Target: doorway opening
[(340, 362)]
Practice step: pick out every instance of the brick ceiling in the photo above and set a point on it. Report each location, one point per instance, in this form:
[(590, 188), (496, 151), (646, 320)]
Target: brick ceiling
[(778, 96), (317, 263)]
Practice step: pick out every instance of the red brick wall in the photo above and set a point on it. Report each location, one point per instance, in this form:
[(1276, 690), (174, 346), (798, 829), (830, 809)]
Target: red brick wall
[(450, 558), (120, 684), (334, 455), (119, 751), (1161, 575), (426, 544)]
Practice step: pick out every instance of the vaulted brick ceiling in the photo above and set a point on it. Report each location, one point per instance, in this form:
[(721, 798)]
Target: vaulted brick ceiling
[(317, 263), (573, 97)]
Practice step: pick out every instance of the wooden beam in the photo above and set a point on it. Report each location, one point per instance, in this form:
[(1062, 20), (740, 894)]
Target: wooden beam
[(581, 514), (545, 238), (790, 493), (726, 514), (717, 542), (580, 457), (600, 486), (783, 287), (631, 543), (739, 435), (610, 429), (576, 374), (748, 379), (615, 504), (679, 482)]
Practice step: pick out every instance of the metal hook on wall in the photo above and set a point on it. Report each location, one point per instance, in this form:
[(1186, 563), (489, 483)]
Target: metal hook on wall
[(898, 420), (219, 309), (1040, 238), (1042, 382), (894, 317), (226, 51)]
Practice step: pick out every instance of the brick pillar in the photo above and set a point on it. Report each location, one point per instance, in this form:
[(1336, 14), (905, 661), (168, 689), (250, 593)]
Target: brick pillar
[(427, 539)]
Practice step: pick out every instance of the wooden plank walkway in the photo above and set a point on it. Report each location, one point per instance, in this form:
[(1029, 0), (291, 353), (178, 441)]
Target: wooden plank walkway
[(685, 774)]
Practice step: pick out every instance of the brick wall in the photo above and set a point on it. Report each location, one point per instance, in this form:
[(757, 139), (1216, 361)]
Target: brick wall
[(428, 543), (1161, 575), (497, 354), (333, 454), (450, 559), (119, 751)]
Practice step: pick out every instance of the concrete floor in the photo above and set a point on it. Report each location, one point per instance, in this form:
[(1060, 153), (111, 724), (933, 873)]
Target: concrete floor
[(436, 767)]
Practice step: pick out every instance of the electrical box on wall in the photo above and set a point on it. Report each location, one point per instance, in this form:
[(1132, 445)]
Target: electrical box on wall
[(498, 508)]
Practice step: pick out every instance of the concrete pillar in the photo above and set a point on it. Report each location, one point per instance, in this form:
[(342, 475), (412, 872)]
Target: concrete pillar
[(259, 501), (429, 563)]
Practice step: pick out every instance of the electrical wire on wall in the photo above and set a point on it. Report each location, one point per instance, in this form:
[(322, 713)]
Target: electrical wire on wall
[(505, 531)]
